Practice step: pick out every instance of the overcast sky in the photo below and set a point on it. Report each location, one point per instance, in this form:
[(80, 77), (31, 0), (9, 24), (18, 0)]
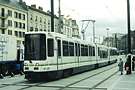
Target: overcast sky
[(107, 13)]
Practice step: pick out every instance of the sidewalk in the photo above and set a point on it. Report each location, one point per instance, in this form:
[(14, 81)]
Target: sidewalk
[(125, 82)]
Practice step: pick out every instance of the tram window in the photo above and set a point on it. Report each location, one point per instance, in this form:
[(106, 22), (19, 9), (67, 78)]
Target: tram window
[(71, 49), (103, 54), (76, 49), (98, 51), (79, 49), (82, 50), (50, 44), (59, 47), (86, 50), (93, 51), (35, 47), (90, 51), (65, 48), (113, 52)]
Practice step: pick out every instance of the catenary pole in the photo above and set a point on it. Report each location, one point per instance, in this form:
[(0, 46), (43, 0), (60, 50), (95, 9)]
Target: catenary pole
[(128, 25), (129, 36), (52, 15)]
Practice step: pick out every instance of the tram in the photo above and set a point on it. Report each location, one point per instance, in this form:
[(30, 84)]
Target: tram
[(50, 55)]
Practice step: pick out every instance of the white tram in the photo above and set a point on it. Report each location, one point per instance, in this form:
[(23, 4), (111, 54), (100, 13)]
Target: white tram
[(50, 55)]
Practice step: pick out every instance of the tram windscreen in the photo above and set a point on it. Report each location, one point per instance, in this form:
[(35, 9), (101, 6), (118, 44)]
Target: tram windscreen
[(35, 47)]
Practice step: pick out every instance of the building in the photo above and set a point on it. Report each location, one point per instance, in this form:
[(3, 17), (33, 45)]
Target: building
[(75, 29), (16, 18), (120, 41), (69, 27), (39, 20), (13, 19), (124, 43), (114, 40)]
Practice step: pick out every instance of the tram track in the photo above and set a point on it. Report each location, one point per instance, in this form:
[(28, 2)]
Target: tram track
[(27, 85), (94, 87), (91, 77)]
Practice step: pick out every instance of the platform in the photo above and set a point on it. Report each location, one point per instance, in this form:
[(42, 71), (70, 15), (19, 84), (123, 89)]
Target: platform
[(124, 82)]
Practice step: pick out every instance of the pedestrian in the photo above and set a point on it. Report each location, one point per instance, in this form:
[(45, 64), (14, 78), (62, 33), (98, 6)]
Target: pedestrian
[(128, 65), (133, 63), (121, 66)]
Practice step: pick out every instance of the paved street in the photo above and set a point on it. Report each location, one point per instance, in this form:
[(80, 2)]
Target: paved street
[(124, 82), (106, 78), (89, 80)]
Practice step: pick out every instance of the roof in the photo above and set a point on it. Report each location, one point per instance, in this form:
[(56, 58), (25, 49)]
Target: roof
[(41, 11), (14, 3)]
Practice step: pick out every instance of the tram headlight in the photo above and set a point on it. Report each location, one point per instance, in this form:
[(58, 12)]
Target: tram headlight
[(37, 64)]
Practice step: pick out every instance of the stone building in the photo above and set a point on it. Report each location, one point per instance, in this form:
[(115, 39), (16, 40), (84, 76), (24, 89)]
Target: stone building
[(124, 43), (120, 41), (16, 18), (13, 19), (114, 40), (39, 20), (69, 27)]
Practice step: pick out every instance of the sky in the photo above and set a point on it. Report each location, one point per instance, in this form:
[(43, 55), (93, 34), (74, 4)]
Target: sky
[(110, 14)]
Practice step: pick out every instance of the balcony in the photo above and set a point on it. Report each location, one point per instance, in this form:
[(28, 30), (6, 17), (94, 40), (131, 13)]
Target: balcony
[(4, 16), (3, 26)]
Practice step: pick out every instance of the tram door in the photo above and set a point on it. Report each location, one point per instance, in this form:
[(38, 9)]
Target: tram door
[(59, 57)]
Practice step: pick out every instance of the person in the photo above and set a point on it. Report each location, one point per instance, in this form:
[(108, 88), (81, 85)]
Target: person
[(121, 66), (133, 63), (128, 65)]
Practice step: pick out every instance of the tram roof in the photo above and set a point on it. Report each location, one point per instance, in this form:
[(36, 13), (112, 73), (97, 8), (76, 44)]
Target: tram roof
[(63, 37), (70, 39)]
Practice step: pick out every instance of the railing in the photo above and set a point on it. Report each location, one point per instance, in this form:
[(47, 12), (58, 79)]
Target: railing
[(4, 16), (3, 26)]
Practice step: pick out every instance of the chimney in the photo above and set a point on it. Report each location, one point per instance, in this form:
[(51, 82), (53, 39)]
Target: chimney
[(40, 8), (33, 5)]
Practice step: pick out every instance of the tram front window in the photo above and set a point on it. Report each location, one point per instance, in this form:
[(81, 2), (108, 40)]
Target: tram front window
[(35, 47)]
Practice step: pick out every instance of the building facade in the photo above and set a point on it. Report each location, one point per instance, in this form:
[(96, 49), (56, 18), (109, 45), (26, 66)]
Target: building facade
[(16, 18), (39, 20), (69, 27), (120, 41), (13, 19), (124, 43), (114, 40)]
